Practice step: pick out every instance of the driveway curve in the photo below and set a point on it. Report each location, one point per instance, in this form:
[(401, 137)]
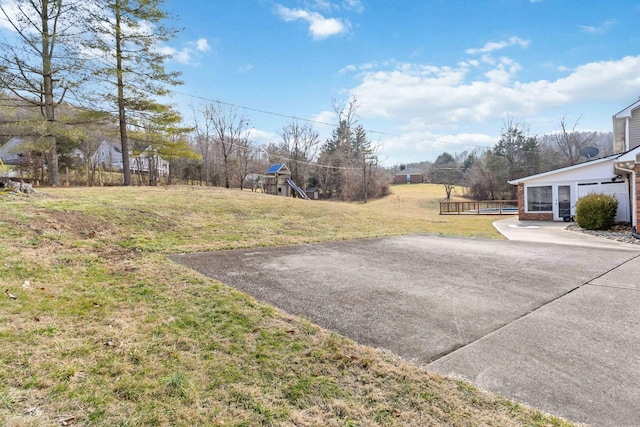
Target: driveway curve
[(549, 325)]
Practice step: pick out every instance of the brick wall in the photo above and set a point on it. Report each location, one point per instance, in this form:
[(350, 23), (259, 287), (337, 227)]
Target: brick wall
[(531, 216), (415, 179)]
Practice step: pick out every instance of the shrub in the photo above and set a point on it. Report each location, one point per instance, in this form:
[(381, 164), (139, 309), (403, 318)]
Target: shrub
[(596, 211)]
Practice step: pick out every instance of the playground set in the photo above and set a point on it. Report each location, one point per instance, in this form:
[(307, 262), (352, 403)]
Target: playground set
[(278, 182)]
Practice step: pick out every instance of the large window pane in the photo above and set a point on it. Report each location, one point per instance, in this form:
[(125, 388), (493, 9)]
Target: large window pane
[(539, 199)]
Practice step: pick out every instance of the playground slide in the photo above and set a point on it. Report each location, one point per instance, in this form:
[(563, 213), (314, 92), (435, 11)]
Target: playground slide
[(297, 189)]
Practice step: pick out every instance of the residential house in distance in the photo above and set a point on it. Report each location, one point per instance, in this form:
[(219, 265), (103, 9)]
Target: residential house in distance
[(146, 160), (553, 195), (10, 152), (409, 176), (107, 156)]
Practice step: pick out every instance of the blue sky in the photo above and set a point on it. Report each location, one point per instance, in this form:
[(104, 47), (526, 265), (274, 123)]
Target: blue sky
[(430, 75)]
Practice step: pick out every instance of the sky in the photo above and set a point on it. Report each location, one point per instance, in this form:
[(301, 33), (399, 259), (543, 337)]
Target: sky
[(429, 75)]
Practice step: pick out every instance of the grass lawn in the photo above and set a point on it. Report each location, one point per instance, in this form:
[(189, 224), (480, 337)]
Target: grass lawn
[(105, 331)]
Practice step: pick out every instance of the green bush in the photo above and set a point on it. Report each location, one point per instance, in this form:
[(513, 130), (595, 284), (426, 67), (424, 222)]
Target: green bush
[(596, 211)]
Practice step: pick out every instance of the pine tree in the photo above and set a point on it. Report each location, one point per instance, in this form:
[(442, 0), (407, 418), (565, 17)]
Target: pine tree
[(125, 38)]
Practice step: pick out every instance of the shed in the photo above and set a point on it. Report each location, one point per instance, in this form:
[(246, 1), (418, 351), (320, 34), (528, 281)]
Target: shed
[(313, 193)]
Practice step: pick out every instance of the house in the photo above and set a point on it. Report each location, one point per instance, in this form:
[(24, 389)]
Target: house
[(147, 159), (107, 156), (11, 152), (409, 176), (553, 195)]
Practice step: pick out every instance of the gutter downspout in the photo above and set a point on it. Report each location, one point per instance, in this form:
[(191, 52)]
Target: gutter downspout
[(631, 172)]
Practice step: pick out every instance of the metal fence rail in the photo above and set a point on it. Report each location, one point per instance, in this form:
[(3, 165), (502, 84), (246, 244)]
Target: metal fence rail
[(483, 207)]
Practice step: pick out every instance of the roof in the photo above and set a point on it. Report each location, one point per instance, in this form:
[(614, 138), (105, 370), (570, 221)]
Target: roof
[(627, 111), (276, 168), (613, 157), (410, 171)]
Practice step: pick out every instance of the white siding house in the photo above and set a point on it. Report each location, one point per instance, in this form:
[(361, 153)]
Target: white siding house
[(10, 152), (553, 195)]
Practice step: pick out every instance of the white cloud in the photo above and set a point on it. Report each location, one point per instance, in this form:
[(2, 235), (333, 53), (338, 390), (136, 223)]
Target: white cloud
[(262, 137), (245, 69), (493, 46), (324, 5), (202, 45), (189, 53), (602, 28), (329, 6), (319, 26), (355, 5), (440, 97), (364, 67), (11, 10), (423, 144), (325, 117)]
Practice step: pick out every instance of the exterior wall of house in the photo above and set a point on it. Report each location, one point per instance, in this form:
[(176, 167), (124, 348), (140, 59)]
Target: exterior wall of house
[(530, 216), (597, 176), (10, 152), (413, 178), (637, 196), (634, 130)]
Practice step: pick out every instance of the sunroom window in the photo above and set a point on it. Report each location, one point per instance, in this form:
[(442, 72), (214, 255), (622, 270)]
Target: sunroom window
[(540, 199)]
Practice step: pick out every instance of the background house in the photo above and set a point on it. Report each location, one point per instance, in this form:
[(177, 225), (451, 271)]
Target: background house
[(409, 176), (10, 152), (107, 156)]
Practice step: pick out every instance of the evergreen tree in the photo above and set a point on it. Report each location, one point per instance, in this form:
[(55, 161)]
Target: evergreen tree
[(125, 35)]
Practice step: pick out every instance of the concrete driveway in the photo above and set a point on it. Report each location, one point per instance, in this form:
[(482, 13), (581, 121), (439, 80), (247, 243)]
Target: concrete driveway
[(553, 326)]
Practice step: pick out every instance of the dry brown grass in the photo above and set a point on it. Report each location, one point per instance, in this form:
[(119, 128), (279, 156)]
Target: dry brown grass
[(106, 331)]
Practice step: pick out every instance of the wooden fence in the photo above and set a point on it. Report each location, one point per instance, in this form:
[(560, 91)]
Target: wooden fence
[(484, 207)]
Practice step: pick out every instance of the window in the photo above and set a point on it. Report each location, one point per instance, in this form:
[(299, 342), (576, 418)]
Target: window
[(539, 199)]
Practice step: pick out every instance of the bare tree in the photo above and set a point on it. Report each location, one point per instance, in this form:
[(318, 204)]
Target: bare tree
[(229, 131), (247, 159), (299, 147), (570, 142), (204, 140)]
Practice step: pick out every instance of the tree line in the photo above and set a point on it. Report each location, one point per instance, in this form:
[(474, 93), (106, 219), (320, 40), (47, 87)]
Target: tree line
[(484, 173), (77, 73)]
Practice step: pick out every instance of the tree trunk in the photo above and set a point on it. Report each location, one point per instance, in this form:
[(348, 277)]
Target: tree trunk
[(49, 107), (124, 142)]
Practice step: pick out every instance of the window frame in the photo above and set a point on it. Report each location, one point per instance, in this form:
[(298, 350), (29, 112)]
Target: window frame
[(545, 206)]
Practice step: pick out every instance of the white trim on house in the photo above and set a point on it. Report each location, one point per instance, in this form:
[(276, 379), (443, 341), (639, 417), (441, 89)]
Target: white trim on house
[(626, 128), (610, 175), (561, 170)]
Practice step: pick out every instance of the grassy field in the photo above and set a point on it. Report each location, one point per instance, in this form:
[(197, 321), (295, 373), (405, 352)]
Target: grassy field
[(105, 331)]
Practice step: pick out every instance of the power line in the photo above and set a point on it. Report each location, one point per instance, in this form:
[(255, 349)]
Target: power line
[(371, 131)]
